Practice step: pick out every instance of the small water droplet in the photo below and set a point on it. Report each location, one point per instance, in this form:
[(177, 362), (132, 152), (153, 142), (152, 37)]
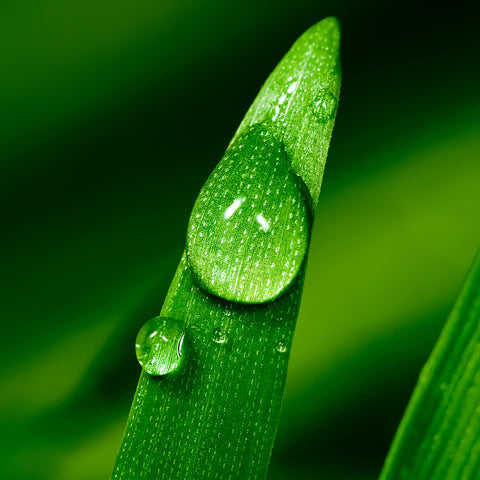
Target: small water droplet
[(248, 244), (158, 345), (325, 105), (281, 348), (219, 336)]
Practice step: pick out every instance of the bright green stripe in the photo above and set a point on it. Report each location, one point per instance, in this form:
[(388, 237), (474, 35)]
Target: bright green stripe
[(216, 416), (438, 436)]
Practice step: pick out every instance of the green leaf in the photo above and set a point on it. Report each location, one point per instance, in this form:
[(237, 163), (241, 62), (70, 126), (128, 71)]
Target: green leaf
[(215, 416), (439, 436)]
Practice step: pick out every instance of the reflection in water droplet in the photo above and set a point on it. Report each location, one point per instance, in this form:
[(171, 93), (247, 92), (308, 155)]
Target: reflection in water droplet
[(249, 229), (282, 105), (159, 345), (233, 208), (325, 106), (264, 225), (281, 348), (219, 336)]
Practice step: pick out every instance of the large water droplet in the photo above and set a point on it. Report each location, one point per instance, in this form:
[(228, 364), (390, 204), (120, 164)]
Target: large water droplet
[(249, 229), (325, 105), (159, 345), (281, 347)]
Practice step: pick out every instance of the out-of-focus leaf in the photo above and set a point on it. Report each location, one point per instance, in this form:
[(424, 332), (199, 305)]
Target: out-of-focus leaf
[(438, 437)]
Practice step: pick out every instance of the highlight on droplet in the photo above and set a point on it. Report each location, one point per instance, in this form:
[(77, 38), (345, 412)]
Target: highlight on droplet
[(233, 208), (264, 225)]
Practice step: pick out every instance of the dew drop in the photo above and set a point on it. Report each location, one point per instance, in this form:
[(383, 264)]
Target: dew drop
[(219, 336), (324, 106), (158, 345), (281, 348), (247, 244)]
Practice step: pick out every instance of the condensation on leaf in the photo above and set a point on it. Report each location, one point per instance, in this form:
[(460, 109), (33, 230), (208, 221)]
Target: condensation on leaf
[(325, 105)]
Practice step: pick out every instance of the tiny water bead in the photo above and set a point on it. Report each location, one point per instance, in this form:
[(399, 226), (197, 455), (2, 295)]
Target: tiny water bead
[(281, 348), (325, 105), (159, 345), (219, 336), (249, 229)]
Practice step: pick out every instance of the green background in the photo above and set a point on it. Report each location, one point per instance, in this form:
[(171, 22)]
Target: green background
[(113, 114)]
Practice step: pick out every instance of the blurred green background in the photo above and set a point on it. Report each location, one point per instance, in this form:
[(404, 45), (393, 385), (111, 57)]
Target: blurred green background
[(112, 115)]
